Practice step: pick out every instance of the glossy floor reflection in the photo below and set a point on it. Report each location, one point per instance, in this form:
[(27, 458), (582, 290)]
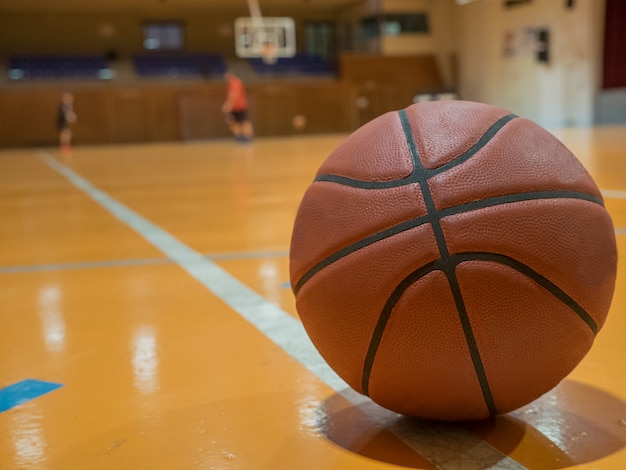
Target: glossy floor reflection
[(161, 368)]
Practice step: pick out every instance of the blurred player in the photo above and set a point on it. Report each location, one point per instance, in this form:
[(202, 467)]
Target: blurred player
[(235, 109), (66, 117)]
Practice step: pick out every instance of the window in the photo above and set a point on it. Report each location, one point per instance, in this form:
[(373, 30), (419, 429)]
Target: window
[(394, 24), (408, 23), (512, 3), (163, 36), (319, 37)]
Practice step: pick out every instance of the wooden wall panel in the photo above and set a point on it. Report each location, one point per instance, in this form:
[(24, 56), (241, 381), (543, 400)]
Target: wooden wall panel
[(419, 73), (380, 84), (325, 106), (163, 115), (93, 125), (200, 114), (131, 118), (323, 103), (170, 110), (29, 117), (272, 109), (369, 103)]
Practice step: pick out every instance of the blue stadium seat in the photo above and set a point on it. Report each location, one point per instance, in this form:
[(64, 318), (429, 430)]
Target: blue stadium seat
[(34, 67), (174, 65), (297, 65)]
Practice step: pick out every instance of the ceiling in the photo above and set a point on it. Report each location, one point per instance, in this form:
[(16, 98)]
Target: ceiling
[(271, 7)]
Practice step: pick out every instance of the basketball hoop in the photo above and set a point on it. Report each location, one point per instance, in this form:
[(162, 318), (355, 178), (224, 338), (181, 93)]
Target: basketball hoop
[(268, 54)]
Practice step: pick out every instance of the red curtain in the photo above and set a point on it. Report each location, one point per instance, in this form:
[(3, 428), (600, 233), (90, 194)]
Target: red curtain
[(615, 44)]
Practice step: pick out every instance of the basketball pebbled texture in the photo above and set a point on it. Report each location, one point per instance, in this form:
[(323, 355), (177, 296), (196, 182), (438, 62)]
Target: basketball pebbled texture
[(452, 261)]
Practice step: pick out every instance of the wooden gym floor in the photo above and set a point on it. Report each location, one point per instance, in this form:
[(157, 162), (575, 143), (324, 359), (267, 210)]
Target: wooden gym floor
[(147, 323)]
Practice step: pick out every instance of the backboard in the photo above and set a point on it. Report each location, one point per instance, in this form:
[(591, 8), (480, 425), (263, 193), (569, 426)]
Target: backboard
[(263, 36)]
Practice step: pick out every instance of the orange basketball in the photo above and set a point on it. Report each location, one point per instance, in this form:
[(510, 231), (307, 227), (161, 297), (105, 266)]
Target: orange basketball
[(452, 260)]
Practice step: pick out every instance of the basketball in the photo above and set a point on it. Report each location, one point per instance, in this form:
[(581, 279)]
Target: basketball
[(452, 261)]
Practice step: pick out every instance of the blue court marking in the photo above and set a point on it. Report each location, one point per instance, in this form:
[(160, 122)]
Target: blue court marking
[(286, 285), (24, 391), (446, 446), (620, 231)]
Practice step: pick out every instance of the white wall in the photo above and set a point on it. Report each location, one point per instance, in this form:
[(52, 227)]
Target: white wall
[(564, 92), (561, 93)]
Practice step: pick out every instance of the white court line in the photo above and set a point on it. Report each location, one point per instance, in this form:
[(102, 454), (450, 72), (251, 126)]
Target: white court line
[(448, 447), (134, 262), (613, 193)]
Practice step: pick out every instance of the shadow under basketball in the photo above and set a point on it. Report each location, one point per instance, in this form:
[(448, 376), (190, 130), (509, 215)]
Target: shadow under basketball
[(573, 424)]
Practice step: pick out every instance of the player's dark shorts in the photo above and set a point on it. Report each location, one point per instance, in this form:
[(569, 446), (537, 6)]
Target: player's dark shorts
[(239, 116), (62, 124)]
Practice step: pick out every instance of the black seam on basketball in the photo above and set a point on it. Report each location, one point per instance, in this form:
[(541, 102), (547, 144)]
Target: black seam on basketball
[(386, 313), (457, 259), (448, 265), (389, 232), (518, 197), (414, 177), (535, 276), (485, 138), (421, 175), (416, 222), (470, 339), (381, 324), (345, 181)]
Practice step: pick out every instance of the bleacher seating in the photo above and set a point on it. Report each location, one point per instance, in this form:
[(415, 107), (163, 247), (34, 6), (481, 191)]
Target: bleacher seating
[(179, 65), (25, 67), (297, 65)]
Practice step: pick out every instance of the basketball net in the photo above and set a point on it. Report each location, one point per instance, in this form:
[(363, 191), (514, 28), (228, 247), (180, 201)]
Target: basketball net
[(269, 54)]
